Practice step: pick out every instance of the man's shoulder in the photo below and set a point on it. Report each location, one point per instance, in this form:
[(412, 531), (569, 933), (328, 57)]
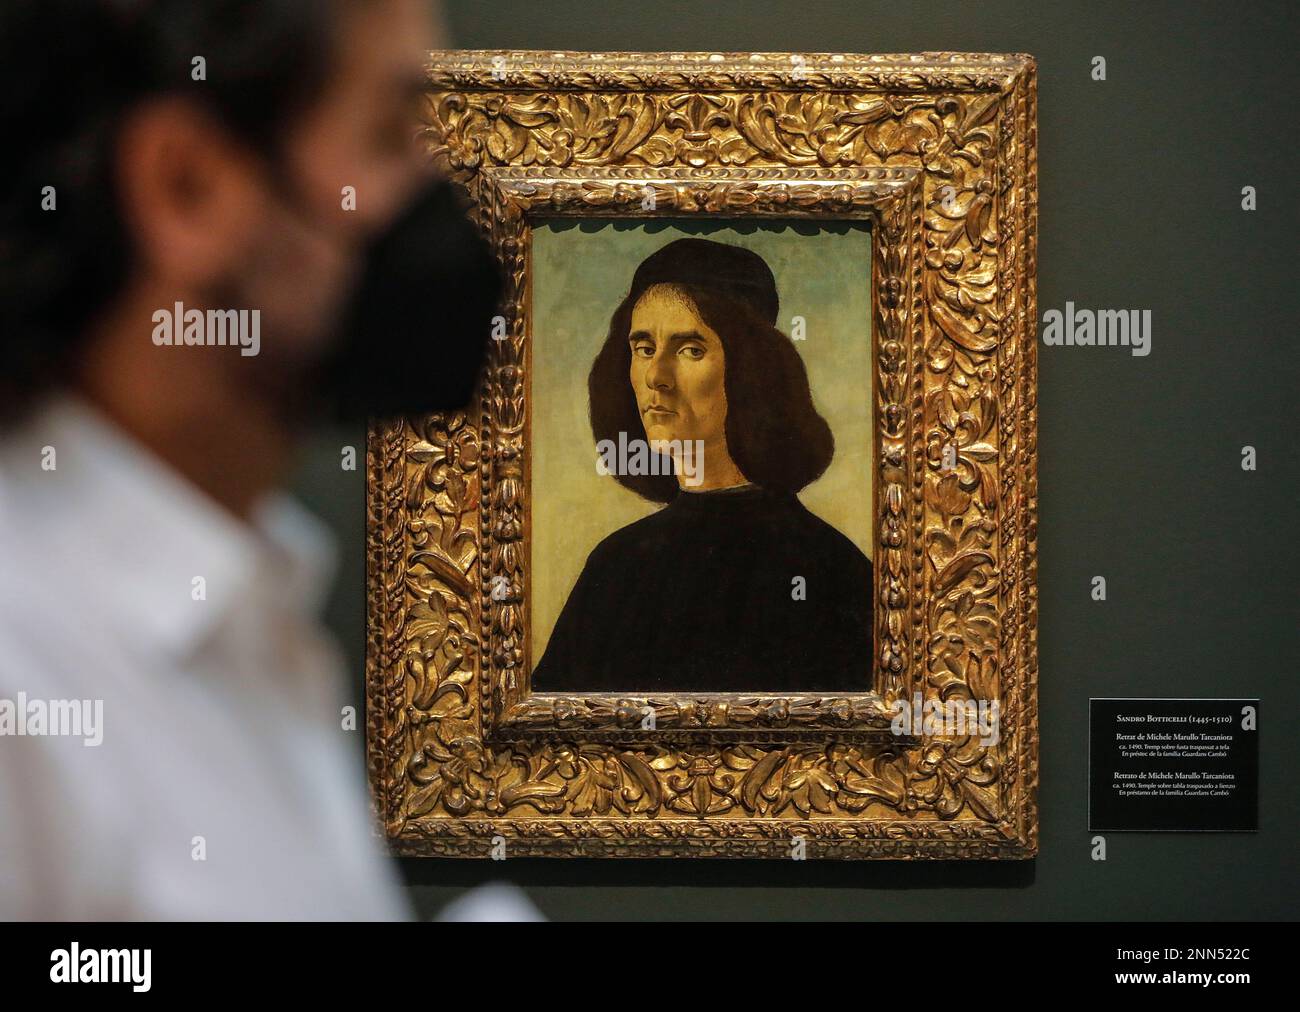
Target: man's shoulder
[(825, 542), (638, 537)]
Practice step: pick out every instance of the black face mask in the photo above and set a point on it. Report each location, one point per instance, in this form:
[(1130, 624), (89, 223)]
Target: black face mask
[(414, 333)]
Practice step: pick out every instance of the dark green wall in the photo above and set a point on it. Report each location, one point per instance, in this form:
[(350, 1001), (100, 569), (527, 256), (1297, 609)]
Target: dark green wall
[(1140, 474)]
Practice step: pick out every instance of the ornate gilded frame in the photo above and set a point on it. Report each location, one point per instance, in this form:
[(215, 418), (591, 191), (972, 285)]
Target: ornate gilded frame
[(938, 152)]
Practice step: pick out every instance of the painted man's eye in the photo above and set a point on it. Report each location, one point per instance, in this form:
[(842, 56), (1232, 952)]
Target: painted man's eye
[(643, 349), (693, 351)]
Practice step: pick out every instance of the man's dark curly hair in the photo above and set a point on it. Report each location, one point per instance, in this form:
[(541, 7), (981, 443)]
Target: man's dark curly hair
[(70, 72), (774, 433)]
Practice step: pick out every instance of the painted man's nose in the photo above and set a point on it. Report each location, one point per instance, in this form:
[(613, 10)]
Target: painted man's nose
[(659, 375)]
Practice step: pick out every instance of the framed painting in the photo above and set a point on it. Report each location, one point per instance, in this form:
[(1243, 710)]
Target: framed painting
[(734, 554)]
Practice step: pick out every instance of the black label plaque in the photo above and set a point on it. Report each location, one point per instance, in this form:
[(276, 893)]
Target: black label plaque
[(1173, 765)]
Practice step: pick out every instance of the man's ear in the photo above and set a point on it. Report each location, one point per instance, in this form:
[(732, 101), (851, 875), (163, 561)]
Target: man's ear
[(189, 193)]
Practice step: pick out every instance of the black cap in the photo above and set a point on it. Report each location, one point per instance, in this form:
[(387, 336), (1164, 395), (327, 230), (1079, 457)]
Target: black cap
[(735, 272)]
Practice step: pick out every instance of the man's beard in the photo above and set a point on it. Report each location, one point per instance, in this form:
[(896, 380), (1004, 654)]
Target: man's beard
[(284, 379)]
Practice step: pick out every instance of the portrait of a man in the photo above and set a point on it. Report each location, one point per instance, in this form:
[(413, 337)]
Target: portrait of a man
[(730, 583)]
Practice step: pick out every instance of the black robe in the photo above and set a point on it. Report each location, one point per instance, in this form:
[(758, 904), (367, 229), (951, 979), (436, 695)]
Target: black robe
[(699, 597)]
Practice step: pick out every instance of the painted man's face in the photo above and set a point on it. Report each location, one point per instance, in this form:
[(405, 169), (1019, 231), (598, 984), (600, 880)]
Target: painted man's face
[(677, 370)]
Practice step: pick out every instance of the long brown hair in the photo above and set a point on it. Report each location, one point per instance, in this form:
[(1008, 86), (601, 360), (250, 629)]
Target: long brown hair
[(774, 433)]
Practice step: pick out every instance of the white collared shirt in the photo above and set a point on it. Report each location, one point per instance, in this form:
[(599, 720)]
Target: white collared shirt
[(225, 785)]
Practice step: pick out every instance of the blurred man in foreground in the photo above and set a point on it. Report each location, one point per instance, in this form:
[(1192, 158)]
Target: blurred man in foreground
[(216, 227)]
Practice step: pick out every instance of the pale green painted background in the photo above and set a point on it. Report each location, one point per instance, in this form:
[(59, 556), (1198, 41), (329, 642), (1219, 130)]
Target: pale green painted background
[(581, 272)]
